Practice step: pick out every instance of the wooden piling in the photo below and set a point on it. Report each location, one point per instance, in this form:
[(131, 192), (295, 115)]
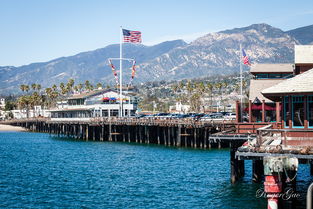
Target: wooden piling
[(257, 170)]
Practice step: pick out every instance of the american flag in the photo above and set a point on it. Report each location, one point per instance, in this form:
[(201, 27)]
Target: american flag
[(132, 36), (245, 58)]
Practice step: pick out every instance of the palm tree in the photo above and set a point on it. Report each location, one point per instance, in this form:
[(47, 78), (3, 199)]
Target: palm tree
[(174, 88), (87, 85), (219, 86), (54, 87), (26, 88), (22, 87), (38, 87), (201, 88), (80, 87), (99, 85), (189, 87), (24, 103), (48, 92), (181, 85), (70, 85), (62, 86), (64, 91), (210, 91), (34, 86), (195, 102), (71, 82)]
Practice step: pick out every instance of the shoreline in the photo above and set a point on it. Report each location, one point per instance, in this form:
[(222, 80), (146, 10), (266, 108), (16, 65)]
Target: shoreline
[(6, 128)]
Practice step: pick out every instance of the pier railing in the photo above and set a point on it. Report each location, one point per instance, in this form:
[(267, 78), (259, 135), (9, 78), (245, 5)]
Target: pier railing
[(294, 137), (221, 123)]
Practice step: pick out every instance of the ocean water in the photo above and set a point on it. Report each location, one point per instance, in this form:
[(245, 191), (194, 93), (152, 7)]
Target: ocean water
[(42, 171)]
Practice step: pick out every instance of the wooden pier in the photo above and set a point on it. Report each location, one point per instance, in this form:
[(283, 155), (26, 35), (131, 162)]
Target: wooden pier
[(173, 132), (180, 133)]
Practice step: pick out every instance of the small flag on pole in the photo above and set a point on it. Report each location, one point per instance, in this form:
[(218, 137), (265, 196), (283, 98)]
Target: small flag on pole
[(132, 36), (245, 58)]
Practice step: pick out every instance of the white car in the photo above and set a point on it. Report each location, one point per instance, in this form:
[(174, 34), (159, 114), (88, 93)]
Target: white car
[(230, 116)]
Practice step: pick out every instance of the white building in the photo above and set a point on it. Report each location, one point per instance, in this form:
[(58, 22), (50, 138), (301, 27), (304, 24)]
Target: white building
[(2, 103), (32, 113), (95, 104), (179, 108)]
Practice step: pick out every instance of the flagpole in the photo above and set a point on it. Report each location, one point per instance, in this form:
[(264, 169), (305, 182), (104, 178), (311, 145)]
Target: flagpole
[(121, 72), (241, 96)]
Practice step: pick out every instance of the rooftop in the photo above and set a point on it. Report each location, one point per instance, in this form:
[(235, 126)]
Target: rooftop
[(272, 68), (303, 54), (256, 86), (302, 83)]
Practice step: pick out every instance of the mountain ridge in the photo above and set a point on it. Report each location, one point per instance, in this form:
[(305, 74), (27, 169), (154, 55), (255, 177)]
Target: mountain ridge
[(213, 53)]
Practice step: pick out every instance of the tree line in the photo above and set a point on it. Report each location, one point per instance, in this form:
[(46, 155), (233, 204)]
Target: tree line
[(34, 95)]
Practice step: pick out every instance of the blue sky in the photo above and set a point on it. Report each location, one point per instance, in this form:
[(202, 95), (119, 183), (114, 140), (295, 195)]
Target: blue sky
[(41, 30)]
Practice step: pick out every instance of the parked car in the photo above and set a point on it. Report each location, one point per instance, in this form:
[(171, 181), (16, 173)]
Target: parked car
[(182, 116), (206, 117), (216, 115), (230, 116)]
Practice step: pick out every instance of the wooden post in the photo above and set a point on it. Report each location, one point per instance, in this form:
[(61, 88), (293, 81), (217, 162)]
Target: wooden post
[(102, 132), (195, 138), (238, 117), (305, 99), (124, 133), (178, 136), (129, 133), (233, 164), (290, 112), (158, 134), (87, 134), (186, 138), (140, 134), (263, 110), (250, 111), (283, 119), (257, 170), (241, 168), (110, 131), (147, 134), (205, 138), (164, 136), (278, 119), (94, 133)]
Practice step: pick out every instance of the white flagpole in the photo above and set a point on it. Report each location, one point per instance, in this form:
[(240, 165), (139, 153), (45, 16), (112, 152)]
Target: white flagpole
[(241, 96), (121, 74)]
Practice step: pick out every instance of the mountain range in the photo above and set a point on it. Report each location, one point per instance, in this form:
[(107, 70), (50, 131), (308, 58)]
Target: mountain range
[(212, 54)]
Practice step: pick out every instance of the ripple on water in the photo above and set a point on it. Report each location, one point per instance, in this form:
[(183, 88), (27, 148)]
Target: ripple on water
[(37, 170)]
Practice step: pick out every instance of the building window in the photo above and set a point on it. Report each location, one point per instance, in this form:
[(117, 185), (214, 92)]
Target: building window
[(310, 111), (297, 112), (274, 75), (286, 111), (261, 76)]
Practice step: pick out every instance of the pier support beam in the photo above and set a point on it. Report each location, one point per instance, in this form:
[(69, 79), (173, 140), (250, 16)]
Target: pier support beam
[(236, 166), (257, 170), (280, 174)]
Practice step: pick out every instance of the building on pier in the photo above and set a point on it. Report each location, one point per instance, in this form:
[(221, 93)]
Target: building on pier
[(94, 104), (293, 130), (265, 76), (263, 110)]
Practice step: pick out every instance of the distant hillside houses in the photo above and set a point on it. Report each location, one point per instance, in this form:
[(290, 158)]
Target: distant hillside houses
[(2, 103)]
